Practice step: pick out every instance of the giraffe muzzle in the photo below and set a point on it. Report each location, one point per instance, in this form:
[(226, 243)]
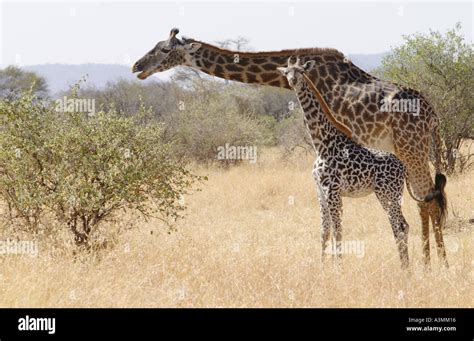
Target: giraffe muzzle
[(137, 67)]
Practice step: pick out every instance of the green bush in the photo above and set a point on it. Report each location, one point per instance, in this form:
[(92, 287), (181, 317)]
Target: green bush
[(81, 169), (441, 66), (210, 119)]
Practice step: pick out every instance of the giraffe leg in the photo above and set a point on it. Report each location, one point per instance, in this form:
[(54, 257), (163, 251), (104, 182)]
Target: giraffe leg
[(425, 232), (390, 198), (325, 231), (438, 232), (335, 210), (400, 232), (325, 220)]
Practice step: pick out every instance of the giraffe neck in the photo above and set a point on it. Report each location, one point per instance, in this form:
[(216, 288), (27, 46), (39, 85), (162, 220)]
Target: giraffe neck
[(324, 108), (317, 123), (261, 67), (320, 121), (240, 67)]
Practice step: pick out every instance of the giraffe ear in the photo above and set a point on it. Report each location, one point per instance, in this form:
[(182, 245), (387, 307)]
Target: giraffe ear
[(308, 66), (192, 47), (281, 69)]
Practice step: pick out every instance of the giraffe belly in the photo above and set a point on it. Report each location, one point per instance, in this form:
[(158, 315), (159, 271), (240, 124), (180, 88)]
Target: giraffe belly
[(357, 193)]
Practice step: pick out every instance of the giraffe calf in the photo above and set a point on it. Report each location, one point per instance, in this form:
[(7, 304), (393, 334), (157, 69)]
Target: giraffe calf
[(346, 169)]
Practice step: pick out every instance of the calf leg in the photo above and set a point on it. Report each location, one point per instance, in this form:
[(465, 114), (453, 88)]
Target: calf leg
[(400, 232), (325, 231), (335, 210), (325, 220), (390, 197)]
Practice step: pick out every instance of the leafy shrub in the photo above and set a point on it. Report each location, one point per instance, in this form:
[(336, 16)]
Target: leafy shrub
[(212, 118), (82, 169)]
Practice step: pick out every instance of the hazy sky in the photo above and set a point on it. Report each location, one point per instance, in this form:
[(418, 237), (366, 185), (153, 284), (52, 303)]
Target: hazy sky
[(122, 31)]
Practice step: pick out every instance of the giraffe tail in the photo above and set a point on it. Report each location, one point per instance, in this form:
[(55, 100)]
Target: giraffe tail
[(438, 194)]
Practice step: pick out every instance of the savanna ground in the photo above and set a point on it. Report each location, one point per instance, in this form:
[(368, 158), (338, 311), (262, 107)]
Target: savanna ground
[(250, 238)]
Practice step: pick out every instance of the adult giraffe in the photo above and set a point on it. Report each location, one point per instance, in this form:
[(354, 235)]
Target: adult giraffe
[(368, 106)]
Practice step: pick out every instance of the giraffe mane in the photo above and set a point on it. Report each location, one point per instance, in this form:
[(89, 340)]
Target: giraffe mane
[(327, 111), (302, 51)]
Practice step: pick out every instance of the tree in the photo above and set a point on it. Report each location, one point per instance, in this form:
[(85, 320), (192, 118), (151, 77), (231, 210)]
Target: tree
[(15, 80), (80, 169), (441, 66), (237, 44)]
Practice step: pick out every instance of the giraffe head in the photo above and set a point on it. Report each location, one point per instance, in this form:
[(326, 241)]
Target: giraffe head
[(165, 55), (294, 72)]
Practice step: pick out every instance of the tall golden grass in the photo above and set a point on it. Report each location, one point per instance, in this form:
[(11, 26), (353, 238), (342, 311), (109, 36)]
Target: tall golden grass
[(251, 239)]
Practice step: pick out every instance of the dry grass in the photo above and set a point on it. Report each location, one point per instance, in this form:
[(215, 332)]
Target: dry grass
[(244, 245)]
